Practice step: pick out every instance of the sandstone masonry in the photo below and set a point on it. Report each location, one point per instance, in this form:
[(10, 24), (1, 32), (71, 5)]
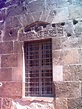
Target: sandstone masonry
[(64, 18)]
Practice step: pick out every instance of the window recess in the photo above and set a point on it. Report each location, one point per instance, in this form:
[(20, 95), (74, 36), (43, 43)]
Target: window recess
[(38, 68)]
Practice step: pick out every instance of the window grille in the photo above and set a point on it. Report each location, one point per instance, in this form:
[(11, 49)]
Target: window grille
[(38, 68)]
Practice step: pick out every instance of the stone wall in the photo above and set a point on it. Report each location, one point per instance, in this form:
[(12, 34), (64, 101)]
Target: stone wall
[(65, 29)]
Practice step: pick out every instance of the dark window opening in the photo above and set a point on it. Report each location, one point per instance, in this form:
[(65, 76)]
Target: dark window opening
[(38, 68)]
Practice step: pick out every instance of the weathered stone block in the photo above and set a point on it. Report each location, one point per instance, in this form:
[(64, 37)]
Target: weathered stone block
[(14, 10), (7, 103), (17, 48), (72, 73), (35, 6), (2, 14), (0, 103), (57, 57), (44, 15), (23, 19), (70, 56), (10, 34), (13, 22), (78, 29), (80, 42), (10, 60), (8, 22), (22, 37), (61, 103), (80, 55), (69, 28), (5, 74), (81, 88), (11, 89), (2, 4), (17, 72), (2, 25), (56, 43), (0, 61), (56, 4), (51, 15), (74, 103), (29, 18), (77, 2), (6, 47), (0, 38), (50, 4), (57, 73), (62, 14), (75, 11), (37, 15), (68, 89), (16, 22), (70, 42)]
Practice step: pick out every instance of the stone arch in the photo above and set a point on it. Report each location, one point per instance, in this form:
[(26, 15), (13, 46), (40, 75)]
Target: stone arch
[(38, 25)]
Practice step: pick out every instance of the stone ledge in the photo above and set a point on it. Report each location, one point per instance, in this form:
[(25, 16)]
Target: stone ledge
[(45, 99)]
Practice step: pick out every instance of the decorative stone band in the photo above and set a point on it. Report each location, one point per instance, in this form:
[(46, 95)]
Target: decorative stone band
[(49, 31)]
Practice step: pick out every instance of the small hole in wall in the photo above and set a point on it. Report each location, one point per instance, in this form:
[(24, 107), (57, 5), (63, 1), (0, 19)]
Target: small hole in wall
[(53, 25), (54, 12), (63, 23), (1, 84), (36, 29), (23, 8), (68, 34), (10, 32), (44, 26), (0, 32), (75, 21), (27, 30), (15, 6)]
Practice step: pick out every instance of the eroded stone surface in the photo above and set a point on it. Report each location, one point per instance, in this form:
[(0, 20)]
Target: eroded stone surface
[(7, 103), (6, 47), (72, 73), (61, 103), (9, 60), (10, 34), (5, 74), (65, 57), (65, 29), (10, 89), (34, 105), (68, 89), (75, 103)]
